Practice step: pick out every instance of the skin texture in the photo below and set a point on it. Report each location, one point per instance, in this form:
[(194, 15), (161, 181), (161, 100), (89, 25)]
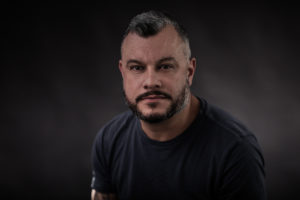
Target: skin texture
[(158, 63)]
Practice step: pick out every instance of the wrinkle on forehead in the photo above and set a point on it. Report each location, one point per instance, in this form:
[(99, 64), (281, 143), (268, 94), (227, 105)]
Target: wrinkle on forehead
[(166, 43)]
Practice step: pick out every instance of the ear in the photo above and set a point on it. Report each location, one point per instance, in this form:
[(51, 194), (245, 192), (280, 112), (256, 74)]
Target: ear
[(191, 70), (121, 68)]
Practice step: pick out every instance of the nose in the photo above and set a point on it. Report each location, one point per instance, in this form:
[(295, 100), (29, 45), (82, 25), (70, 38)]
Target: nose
[(152, 80)]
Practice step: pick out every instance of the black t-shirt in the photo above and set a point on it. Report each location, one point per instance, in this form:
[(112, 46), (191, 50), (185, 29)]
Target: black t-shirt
[(215, 158)]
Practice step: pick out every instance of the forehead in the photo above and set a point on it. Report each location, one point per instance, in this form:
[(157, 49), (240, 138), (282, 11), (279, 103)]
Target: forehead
[(166, 43)]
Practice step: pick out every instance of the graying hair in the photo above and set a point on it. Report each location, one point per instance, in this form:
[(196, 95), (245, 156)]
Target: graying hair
[(152, 22)]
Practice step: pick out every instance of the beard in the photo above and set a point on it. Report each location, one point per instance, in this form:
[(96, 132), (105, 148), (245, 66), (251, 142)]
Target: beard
[(177, 104)]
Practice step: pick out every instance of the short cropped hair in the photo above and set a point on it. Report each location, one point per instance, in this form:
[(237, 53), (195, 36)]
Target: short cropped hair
[(152, 22)]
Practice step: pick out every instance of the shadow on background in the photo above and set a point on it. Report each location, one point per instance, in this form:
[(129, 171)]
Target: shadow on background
[(60, 84)]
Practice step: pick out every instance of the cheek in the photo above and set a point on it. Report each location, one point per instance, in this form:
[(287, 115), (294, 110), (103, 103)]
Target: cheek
[(130, 87), (178, 82)]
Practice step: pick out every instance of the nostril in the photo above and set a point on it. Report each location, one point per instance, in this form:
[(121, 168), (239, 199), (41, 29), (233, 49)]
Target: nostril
[(151, 87)]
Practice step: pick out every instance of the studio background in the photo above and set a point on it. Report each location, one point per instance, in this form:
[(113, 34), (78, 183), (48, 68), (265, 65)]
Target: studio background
[(60, 84)]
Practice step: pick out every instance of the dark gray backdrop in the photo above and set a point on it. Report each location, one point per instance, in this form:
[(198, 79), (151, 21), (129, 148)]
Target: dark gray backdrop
[(60, 83)]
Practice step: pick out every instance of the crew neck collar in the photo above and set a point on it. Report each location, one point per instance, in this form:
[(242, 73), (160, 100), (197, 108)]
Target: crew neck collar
[(194, 125)]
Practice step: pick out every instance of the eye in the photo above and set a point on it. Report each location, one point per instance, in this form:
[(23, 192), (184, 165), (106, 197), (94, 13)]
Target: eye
[(137, 68), (165, 67)]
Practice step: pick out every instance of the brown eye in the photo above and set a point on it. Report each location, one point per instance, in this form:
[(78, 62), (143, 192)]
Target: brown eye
[(165, 67), (136, 68)]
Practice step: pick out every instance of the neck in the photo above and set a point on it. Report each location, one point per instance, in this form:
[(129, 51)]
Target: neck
[(174, 126)]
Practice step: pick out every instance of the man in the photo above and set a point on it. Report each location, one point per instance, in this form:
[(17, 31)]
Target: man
[(172, 145)]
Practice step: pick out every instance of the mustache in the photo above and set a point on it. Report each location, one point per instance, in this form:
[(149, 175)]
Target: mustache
[(165, 95)]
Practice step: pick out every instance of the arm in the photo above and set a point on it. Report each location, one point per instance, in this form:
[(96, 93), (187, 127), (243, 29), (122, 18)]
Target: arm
[(99, 196), (101, 176), (243, 174)]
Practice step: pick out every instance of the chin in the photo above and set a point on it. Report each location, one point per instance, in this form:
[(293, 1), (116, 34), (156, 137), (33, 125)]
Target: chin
[(153, 118), (149, 110), (154, 106), (154, 113)]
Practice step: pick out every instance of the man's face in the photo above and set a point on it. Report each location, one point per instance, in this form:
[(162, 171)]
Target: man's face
[(156, 74)]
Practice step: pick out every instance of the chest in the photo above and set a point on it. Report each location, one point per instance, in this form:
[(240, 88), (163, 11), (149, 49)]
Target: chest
[(178, 171)]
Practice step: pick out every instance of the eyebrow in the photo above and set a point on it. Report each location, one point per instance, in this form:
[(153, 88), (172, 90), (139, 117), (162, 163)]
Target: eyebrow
[(164, 59), (134, 61)]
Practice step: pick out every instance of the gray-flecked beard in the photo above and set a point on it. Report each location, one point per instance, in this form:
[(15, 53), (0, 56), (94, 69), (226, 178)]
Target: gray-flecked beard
[(176, 105)]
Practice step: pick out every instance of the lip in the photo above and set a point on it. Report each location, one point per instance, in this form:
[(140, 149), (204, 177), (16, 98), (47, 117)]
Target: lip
[(153, 98)]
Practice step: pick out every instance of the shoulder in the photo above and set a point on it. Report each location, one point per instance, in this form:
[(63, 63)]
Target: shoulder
[(117, 126), (118, 122), (223, 122), (227, 131), (232, 140), (237, 154)]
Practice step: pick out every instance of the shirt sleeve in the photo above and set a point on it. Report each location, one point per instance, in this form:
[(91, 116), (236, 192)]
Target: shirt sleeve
[(101, 178), (243, 172)]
